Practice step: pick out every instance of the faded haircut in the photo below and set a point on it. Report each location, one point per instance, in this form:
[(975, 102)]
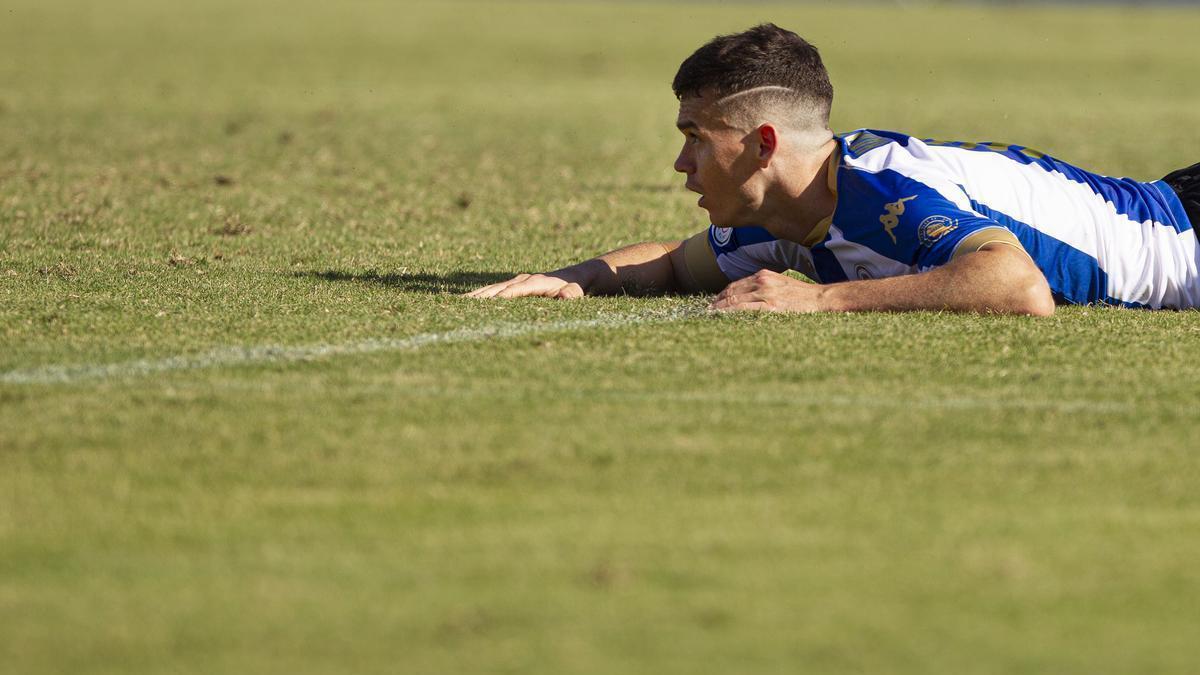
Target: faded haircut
[(765, 68)]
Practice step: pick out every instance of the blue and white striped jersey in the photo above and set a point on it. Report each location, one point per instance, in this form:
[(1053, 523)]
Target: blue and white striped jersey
[(905, 206)]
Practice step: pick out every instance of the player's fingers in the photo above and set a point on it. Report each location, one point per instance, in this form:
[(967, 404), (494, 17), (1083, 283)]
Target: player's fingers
[(570, 292), (759, 299), (491, 291), (765, 278), (534, 285), (488, 291), (739, 287), (756, 305), (733, 301), (483, 291)]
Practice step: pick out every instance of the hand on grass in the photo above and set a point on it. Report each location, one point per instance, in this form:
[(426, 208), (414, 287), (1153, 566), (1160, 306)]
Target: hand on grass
[(551, 285), (770, 292)]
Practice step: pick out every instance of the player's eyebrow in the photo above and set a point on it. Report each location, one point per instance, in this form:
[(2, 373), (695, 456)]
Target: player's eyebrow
[(684, 125)]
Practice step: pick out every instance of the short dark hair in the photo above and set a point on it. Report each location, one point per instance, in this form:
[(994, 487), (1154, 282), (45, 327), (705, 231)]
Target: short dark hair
[(763, 56)]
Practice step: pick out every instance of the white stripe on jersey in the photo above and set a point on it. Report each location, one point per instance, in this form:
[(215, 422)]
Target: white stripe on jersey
[(852, 255), (746, 260), (777, 255), (1147, 263)]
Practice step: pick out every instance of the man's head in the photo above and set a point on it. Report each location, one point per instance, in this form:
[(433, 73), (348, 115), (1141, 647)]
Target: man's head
[(748, 101)]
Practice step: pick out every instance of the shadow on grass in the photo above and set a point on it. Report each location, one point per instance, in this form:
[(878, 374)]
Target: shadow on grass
[(458, 282)]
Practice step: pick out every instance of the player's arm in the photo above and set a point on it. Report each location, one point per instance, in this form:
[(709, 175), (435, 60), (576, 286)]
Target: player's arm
[(649, 268), (997, 278)]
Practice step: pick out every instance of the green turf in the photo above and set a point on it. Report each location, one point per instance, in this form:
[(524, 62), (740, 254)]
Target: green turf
[(919, 493)]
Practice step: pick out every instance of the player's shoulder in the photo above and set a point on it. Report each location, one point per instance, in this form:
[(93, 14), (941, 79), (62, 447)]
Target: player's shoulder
[(879, 167), (876, 151)]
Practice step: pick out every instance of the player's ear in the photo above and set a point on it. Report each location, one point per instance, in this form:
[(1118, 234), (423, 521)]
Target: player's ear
[(768, 142)]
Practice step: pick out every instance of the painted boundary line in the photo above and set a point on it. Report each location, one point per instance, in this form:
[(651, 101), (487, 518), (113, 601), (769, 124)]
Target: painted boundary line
[(251, 355)]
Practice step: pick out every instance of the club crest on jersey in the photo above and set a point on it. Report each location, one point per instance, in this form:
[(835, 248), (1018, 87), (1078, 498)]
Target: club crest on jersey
[(722, 235), (891, 219), (933, 228)]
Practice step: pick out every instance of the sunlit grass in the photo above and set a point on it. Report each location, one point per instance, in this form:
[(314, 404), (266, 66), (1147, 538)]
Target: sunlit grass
[(868, 493)]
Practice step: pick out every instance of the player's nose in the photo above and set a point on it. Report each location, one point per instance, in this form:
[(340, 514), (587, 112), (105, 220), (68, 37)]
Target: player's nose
[(683, 164)]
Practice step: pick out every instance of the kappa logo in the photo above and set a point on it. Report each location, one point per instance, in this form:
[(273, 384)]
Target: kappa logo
[(722, 235), (933, 228), (891, 219)]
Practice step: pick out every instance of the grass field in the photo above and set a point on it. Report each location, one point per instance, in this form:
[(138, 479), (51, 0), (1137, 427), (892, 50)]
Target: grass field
[(248, 426)]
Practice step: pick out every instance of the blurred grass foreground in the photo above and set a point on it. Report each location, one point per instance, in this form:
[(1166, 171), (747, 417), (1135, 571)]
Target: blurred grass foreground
[(615, 485)]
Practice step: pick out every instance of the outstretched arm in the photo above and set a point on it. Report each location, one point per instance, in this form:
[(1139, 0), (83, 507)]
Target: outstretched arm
[(998, 278), (649, 268)]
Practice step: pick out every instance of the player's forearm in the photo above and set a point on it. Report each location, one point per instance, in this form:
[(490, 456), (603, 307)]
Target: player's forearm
[(993, 280), (639, 269)]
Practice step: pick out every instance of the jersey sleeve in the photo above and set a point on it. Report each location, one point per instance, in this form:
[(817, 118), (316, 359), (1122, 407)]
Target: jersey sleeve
[(700, 262), (930, 223), (719, 255), (947, 233)]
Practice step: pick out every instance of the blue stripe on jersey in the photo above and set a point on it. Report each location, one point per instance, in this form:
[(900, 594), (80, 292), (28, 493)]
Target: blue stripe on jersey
[(859, 218), (745, 236), (1174, 203), (827, 265), (1074, 276), (738, 237), (717, 247), (1133, 199)]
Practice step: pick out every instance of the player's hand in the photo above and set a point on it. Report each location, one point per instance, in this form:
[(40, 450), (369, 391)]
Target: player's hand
[(552, 285), (770, 292)]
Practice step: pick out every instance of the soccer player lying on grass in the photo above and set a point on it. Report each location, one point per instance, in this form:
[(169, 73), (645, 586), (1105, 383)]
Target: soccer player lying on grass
[(881, 220)]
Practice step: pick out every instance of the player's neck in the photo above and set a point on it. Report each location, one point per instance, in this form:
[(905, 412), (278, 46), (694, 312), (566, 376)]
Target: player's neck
[(793, 208)]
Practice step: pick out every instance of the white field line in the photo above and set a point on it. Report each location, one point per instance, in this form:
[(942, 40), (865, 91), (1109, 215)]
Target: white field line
[(259, 354)]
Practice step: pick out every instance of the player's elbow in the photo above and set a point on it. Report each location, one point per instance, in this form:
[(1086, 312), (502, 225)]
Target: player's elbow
[(1040, 304), (1033, 295), (1022, 284)]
